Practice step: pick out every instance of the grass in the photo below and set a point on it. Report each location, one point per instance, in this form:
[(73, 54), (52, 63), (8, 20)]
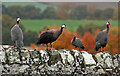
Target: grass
[(72, 25)]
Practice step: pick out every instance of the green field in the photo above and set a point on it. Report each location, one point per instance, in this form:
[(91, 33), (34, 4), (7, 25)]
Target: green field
[(72, 25)]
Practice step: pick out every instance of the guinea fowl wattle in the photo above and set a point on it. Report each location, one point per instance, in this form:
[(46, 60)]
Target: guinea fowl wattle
[(102, 38), (50, 36), (77, 42)]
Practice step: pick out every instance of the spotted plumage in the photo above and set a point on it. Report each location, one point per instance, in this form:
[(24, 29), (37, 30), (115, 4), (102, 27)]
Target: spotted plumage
[(17, 35), (50, 36), (77, 43), (102, 38)]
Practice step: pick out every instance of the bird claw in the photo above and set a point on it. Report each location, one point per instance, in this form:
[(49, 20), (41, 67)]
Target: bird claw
[(52, 48), (47, 49), (36, 49), (12, 46)]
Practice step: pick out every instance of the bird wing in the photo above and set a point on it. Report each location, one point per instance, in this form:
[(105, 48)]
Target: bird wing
[(79, 42), (20, 34), (46, 35), (99, 35), (14, 35), (50, 33)]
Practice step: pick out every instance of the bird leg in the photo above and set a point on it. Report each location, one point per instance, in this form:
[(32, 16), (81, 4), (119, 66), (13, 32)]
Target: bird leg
[(51, 46), (47, 47), (13, 45), (75, 47), (37, 48), (101, 49)]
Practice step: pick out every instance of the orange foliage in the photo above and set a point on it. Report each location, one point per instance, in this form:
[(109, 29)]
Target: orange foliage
[(63, 11), (112, 45), (89, 41), (64, 41), (41, 47), (32, 45)]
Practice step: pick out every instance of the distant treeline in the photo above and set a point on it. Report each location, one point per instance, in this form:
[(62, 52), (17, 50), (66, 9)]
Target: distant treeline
[(60, 12)]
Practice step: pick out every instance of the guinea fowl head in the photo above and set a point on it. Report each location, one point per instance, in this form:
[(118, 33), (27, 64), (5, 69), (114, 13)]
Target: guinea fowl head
[(74, 38), (18, 19), (108, 23), (74, 35), (63, 26)]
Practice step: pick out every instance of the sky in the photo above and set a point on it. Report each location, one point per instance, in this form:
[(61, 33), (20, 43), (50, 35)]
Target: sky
[(59, 0)]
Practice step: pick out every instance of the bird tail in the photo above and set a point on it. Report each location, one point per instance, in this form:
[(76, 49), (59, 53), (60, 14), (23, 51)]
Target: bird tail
[(97, 46)]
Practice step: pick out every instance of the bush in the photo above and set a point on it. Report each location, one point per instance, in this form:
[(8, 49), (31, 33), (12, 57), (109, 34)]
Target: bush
[(30, 37), (64, 41), (88, 28)]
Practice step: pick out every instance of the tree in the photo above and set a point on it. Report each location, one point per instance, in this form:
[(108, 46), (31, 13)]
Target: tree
[(97, 13), (80, 12), (15, 12), (49, 13), (115, 14), (64, 11), (107, 13), (91, 9), (31, 12), (4, 10), (30, 37), (88, 28), (26, 12)]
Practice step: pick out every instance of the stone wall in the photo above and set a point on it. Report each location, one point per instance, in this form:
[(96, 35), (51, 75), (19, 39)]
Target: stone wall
[(14, 61)]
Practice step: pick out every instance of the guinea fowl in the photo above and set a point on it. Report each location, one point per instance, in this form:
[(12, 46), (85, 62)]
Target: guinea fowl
[(77, 42), (17, 34), (50, 36), (102, 38)]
